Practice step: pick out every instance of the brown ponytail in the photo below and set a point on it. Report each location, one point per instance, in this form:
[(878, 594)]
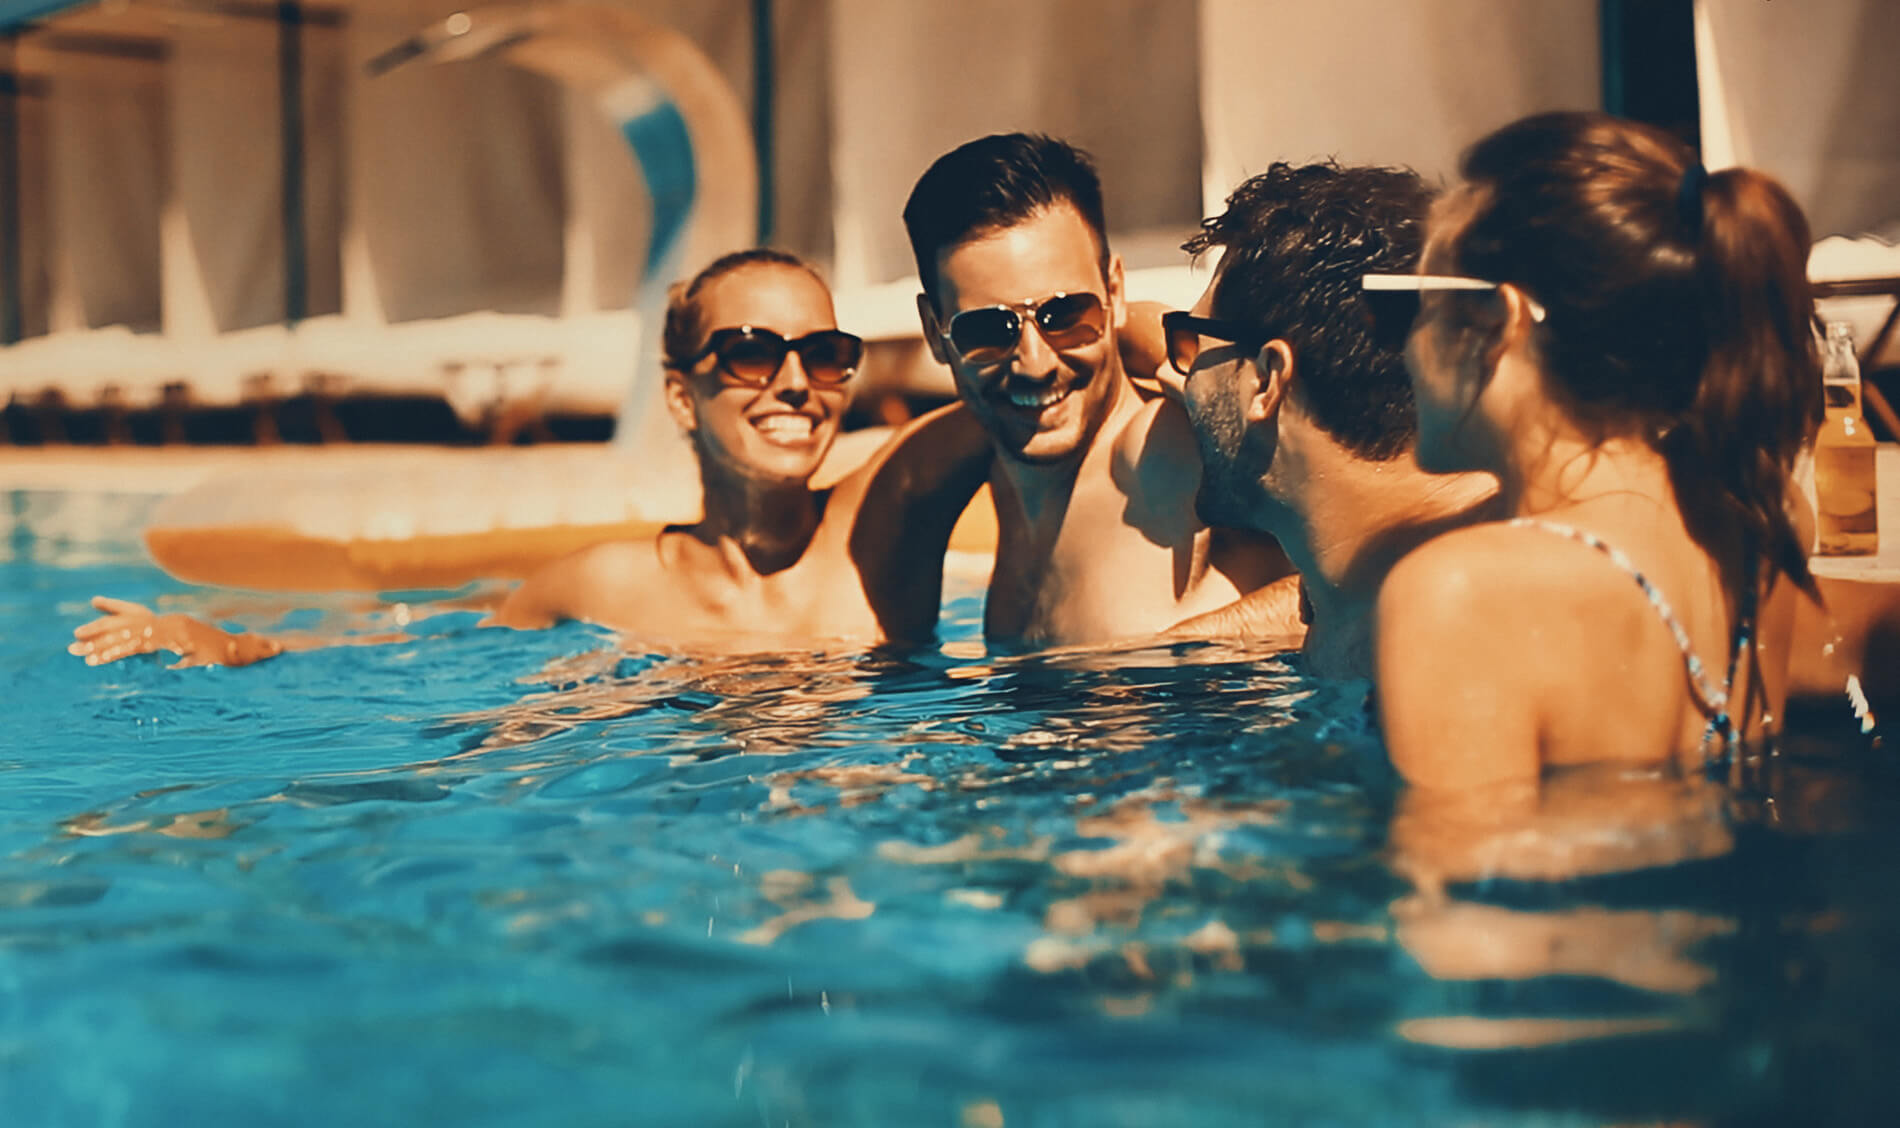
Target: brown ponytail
[(1760, 395), (1677, 311)]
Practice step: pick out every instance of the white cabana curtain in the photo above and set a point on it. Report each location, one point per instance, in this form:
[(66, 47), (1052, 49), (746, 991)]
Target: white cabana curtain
[(227, 261), (1810, 93), (450, 188), (911, 80), (225, 162), (456, 178), (1369, 81), (105, 178)]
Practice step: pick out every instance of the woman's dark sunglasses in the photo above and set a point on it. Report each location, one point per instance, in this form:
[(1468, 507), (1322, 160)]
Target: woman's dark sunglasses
[(1184, 332), (990, 334), (751, 356), (1393, 302)]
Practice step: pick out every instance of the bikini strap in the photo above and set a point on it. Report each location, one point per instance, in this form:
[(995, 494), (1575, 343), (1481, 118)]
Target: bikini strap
[(1713, 698)]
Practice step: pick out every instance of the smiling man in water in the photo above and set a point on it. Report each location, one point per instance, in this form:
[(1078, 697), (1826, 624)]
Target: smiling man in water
[(1095, 479)]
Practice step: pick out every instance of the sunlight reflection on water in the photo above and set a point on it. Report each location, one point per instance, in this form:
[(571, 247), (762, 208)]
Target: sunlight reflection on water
[(489, 877)]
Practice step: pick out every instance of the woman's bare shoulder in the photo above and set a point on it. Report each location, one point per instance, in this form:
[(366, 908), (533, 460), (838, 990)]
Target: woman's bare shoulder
[(1460, 583), (1497, 560), (1458, 686), (1464, 564), (596, 583)]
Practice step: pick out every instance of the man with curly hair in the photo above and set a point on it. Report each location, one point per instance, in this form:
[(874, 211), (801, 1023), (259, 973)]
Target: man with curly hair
[(1299, 396)]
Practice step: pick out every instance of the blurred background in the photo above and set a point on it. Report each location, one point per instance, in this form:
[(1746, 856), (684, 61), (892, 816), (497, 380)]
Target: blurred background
[(250, 222)]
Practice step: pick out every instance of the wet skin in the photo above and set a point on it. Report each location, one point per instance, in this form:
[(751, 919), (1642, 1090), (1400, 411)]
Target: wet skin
[(773, 560), (1497, 644), (777, 434), (1094, 485), (771, 563)]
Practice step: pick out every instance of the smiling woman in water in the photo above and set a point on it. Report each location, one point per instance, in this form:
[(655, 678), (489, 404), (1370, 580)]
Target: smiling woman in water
[(757, 375)]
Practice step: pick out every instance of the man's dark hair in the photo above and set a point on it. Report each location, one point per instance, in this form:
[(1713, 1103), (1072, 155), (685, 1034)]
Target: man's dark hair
[(1297, 240), (995, 182)]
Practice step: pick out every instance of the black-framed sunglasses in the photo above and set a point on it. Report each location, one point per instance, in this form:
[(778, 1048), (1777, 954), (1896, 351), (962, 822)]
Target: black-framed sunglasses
[(989, 334), (1185, 330), (752, 356), (1393, 300)]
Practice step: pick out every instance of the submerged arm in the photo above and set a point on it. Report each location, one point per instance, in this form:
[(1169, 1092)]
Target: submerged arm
[(127, 629), (570, 588), (1268, 613)]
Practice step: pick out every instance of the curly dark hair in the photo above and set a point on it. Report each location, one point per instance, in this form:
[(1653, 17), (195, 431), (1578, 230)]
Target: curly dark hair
[(1298, 238)]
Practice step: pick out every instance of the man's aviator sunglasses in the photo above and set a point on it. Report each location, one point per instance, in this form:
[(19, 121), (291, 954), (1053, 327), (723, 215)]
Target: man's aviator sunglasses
[(1393, 301), (989, 334), (751, 356)]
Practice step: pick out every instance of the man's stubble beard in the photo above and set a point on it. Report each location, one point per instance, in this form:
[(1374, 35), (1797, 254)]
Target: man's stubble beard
[(1227, 483)]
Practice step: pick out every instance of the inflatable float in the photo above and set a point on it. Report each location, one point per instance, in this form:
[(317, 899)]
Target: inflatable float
[(347, 519)]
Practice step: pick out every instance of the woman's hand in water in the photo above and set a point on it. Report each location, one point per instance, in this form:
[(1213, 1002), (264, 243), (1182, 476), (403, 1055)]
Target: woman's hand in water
[(128, 628)]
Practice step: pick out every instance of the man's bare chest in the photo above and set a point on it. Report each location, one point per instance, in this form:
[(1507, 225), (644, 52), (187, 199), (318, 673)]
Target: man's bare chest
[(1095, 582)]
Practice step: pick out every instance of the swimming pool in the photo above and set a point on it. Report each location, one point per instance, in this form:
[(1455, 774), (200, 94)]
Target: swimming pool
[(498, 878)]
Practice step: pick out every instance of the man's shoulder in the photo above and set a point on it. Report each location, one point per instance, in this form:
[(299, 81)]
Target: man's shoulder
[(1155, 449), (920, 449)]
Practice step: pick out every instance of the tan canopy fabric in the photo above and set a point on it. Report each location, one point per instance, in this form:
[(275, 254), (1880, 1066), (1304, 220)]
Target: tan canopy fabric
[(911, 81), (1809, 92), (1372, 82), (151, 156)]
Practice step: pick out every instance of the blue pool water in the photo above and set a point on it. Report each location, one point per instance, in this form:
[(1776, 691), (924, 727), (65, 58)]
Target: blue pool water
[(485, 877)]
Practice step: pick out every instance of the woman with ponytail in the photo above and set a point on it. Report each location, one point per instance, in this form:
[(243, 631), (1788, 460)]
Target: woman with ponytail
[(1623, 339)]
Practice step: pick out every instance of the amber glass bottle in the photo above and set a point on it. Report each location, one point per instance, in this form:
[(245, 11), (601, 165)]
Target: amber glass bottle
[(1844, 486)]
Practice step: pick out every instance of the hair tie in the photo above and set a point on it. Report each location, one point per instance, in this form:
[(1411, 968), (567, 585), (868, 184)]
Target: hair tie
[(1689, 195)]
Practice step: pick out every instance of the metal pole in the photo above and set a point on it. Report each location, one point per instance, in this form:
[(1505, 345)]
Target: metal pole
[(12, 303), (1610, 45), (762, 97), (290, 114)]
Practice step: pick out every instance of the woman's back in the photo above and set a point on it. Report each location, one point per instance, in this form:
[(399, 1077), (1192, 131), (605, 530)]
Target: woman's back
[(1622, 338), (1607, 633)]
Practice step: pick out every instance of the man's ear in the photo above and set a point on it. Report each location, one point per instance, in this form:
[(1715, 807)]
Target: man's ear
[(933, 332), (679, 401), (1273, 372), (1117, 300)]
